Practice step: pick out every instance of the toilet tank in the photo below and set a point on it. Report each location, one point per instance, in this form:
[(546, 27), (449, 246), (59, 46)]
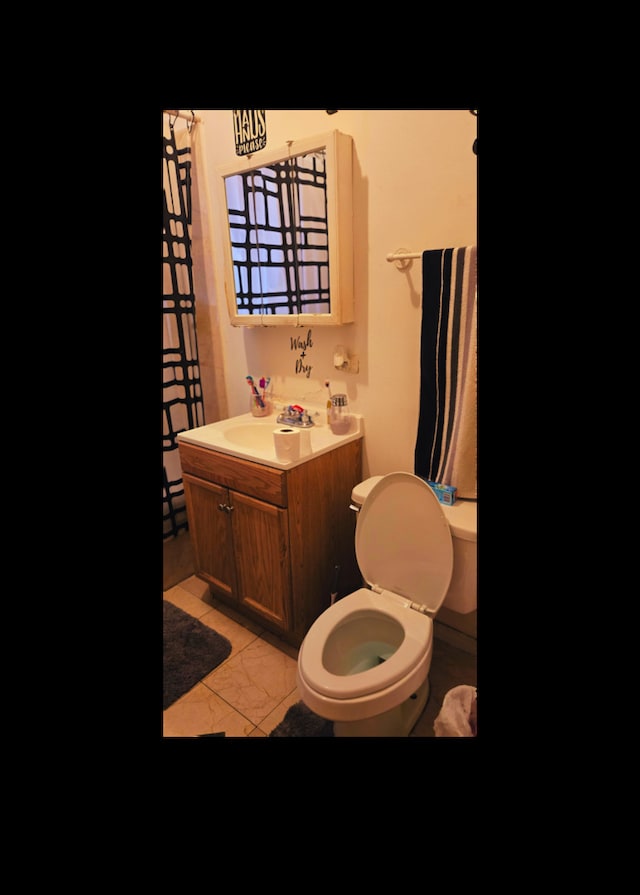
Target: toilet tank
[(462, 517)]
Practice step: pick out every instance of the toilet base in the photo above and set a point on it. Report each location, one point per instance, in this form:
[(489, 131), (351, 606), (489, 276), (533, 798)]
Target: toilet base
[(396, 722)]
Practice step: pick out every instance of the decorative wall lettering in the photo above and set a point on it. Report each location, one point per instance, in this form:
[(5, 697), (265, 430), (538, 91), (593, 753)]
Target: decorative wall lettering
[(250, 129), (302, 345)]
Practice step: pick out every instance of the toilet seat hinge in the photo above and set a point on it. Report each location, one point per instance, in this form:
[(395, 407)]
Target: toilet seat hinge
[(377, 589), (420, 607)]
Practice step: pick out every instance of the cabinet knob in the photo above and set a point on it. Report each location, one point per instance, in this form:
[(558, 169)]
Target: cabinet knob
[(225, 507)]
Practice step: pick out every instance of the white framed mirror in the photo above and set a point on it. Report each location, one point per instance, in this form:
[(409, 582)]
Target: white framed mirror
[(286, 220)]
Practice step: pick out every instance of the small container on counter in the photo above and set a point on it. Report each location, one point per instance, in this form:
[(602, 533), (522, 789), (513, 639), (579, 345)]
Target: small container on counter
[(260, 406), (339, 416)]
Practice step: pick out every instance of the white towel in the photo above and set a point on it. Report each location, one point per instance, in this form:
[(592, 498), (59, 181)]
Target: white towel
[(458, 716)]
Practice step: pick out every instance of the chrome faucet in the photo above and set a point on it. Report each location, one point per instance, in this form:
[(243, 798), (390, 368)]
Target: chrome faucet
[(294, 415)]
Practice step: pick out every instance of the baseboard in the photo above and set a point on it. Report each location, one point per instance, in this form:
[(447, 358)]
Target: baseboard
[(455, 638)]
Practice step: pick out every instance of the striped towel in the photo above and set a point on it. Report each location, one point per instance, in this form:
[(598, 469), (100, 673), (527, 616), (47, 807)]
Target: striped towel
[(446, 443)]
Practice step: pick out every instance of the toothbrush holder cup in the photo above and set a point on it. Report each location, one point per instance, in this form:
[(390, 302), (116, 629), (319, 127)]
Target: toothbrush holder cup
[(256, 409)]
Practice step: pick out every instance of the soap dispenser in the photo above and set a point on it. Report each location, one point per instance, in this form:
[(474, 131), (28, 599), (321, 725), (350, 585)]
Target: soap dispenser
[(339, 416)]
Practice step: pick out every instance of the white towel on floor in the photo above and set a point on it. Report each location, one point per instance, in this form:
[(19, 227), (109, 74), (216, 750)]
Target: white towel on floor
[(458, 713)]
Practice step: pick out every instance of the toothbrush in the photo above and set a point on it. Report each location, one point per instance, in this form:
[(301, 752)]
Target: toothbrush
[(255, 391), (326, 385), (264, 385)]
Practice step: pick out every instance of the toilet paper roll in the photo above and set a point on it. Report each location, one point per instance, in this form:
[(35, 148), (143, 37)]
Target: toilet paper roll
[(287, 444), (305, 442)]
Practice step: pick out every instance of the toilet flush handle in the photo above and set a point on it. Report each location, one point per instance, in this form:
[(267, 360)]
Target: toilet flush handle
[(354, 508)]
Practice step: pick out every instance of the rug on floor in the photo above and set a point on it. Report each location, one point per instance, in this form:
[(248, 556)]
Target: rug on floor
[(300, 721), (190, 651)]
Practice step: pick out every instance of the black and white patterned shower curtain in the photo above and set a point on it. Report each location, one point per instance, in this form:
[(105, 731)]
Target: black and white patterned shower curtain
[(183, 406)]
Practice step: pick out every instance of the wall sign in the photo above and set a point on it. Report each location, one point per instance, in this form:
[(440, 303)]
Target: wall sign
[(302, 345), (250, 129)]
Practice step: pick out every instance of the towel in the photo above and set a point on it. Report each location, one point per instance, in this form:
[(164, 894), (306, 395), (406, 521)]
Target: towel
[(458, 716), (446, 442)]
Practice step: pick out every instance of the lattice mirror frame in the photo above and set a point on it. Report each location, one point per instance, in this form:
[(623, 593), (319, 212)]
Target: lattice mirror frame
[(286, 222)]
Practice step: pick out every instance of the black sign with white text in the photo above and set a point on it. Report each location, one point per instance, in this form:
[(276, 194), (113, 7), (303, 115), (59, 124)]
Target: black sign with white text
[(250, 128)]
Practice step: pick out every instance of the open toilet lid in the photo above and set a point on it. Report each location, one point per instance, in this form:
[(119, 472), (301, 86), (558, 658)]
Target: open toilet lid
[(403, 540)]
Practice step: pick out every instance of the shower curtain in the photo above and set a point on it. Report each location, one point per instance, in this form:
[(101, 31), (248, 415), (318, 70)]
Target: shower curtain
[(182, 399)]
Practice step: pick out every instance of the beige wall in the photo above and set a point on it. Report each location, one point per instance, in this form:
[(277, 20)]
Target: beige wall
[(414, 187)]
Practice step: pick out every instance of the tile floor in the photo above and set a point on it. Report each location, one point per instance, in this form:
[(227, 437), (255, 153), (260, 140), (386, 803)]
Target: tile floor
[(249, 693)]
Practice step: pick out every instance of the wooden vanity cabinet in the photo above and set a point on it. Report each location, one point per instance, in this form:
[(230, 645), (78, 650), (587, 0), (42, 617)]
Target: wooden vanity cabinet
[(267, 540)]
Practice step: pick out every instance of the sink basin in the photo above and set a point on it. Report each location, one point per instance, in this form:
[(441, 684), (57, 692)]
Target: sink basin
[(251, 438), (249, 435)]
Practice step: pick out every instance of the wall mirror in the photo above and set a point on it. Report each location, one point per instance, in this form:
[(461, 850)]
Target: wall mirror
[(287, 232)]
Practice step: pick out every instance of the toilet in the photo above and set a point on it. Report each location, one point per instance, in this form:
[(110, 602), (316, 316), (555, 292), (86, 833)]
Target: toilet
[(364, 663)]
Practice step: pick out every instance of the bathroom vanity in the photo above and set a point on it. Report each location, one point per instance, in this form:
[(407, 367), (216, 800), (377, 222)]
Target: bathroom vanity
[(266, 539)]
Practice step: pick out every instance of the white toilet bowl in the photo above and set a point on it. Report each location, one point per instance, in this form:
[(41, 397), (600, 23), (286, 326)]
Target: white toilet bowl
[(364, 663)]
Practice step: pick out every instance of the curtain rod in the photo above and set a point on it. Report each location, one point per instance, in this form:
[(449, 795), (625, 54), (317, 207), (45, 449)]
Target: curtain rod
[(188, 115)]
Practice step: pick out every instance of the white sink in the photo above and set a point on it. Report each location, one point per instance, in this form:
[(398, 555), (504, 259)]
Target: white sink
[(251, 438), (248, 435)]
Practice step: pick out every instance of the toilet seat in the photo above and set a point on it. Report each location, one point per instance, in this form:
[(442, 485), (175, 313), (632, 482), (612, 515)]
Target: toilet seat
[(414, 633), (405, 553), (403, 540)]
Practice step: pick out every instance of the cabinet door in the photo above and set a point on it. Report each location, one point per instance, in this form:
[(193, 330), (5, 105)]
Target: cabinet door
[(261, 547), (208, 511), (286, 222)]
